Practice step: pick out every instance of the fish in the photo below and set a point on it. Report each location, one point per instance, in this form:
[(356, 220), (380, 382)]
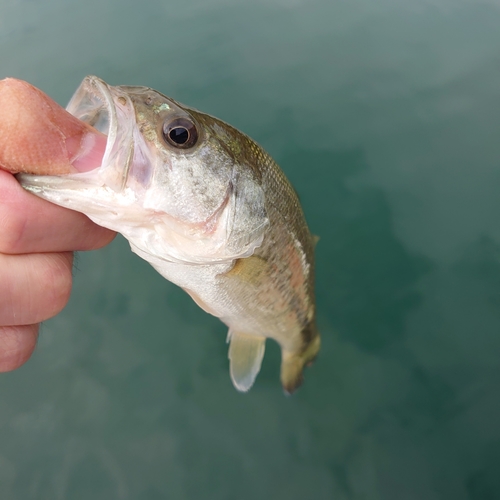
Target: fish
[(210, 210)]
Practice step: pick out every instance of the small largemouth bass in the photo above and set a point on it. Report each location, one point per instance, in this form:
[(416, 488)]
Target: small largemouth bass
[(209, 209)]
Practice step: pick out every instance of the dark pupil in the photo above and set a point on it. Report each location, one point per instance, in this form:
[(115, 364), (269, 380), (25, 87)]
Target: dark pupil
[(179, 135), (180, 132)]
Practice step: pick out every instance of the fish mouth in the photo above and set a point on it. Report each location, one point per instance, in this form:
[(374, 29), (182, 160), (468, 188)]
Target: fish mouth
[(110, 111)]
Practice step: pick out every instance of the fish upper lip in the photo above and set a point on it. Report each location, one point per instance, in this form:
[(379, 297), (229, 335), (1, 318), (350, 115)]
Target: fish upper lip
[(111, 111), (89, 99)]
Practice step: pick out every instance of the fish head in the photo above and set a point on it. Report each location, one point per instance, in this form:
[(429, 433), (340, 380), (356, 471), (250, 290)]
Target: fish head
[(179, 184)]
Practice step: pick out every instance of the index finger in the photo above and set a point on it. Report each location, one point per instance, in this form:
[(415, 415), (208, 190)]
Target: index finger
[(29, 224)]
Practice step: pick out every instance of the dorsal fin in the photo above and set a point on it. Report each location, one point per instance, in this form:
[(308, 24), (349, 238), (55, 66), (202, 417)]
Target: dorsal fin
[(245, 357)]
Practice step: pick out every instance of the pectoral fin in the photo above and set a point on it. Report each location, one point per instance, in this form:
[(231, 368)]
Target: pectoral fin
[(245, 357), (249, 270)]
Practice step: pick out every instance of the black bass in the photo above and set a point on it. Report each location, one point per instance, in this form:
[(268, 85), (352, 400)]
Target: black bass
[(210, 210)]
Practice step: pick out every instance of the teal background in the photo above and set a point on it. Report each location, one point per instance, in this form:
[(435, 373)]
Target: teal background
[(385, 116)]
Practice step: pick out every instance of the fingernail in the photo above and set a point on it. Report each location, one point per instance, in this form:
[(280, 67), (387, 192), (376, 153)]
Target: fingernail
[(86, 152)]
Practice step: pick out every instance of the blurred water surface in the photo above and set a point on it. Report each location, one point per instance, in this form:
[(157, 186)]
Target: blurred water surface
[(385, 116)]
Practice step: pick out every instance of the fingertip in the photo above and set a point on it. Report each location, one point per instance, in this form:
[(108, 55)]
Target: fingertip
[(56, 277), (35, 287), (101, 238), (17, 344)]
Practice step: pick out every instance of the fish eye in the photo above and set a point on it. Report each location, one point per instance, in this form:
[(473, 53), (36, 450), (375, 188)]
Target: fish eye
[(180, 133)]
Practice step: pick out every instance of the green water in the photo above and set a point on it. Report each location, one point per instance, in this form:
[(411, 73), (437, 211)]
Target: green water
[(385, 116)]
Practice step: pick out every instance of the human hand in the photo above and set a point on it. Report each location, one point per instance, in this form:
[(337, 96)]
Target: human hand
[(37, 238)]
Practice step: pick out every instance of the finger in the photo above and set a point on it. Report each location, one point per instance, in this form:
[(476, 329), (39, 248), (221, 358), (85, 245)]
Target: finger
[(40, 137), (34, 287), (29, 224), (17, 344)]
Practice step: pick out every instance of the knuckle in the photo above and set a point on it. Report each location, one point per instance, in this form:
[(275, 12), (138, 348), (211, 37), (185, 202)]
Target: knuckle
[(13, 221), (12, 230)]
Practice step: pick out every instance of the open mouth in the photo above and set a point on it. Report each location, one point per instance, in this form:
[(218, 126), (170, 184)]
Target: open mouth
[(110, 111), (93, 104)]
